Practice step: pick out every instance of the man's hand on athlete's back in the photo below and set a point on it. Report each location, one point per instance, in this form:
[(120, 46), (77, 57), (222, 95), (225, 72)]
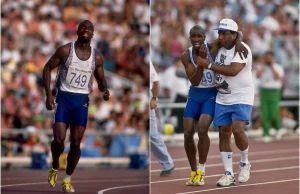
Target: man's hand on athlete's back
[(241, 49), (106, 95)]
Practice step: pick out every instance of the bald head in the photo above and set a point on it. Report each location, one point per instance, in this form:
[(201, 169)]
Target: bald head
[(197, 29)]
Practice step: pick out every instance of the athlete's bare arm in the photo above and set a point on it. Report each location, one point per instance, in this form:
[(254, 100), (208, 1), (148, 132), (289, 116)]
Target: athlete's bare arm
[(55, 60), (239, 47), (99, 75), (194, 74), (229, 70)]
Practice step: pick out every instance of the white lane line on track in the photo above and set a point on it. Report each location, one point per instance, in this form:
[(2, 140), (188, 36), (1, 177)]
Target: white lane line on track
[(247, 185), (237, 155), (75, 181), (251, 161), (216, 175), (121, 187)]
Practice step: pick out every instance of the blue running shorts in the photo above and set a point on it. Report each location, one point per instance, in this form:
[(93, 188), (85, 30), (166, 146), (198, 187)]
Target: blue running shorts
[(71, 108), (200, 101), (225, 114)]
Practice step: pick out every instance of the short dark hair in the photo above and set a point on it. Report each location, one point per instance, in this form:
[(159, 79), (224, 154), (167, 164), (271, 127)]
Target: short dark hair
[(197, 27), (85, 21)]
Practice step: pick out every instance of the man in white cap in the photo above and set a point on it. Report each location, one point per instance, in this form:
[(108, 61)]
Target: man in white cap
[(158, 146), (234, 100)]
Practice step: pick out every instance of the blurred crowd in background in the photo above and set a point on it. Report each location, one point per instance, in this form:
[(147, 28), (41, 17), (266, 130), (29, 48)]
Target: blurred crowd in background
[(31, 30), (267, 25)]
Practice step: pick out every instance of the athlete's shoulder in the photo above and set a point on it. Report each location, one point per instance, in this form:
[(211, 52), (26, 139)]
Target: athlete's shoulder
[(98, 57), (97, 52), (64, 49), (185, 54)]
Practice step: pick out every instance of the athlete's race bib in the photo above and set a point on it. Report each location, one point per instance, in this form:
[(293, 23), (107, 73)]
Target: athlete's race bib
[(78, 77), (207, 78)]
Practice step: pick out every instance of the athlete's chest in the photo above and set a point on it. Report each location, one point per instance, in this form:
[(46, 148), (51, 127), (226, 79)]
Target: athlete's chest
[(83, 54)]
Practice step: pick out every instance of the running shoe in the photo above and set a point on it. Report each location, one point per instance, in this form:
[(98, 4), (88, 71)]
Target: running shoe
[(52, 177), (67, 187), (244, 173), (199, 178), (191, 180), (226, 180)]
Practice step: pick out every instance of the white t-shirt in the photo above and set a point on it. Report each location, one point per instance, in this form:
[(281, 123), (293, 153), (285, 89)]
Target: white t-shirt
[(267, 80), (153, 75), (237, 89)]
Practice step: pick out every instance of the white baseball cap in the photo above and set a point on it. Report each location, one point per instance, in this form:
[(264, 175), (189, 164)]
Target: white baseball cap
[(227, 24)]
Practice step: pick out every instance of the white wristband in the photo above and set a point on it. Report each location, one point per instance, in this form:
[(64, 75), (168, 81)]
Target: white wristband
[(209, 66)]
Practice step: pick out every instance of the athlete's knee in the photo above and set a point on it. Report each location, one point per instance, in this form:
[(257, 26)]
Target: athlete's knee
[(202, 132), (58, 141), (188, 134), (75, 144)]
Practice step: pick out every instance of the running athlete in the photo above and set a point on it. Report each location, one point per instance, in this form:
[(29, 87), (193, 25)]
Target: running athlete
[(234, 100), (200, 105), (76, 62), (158, 146)]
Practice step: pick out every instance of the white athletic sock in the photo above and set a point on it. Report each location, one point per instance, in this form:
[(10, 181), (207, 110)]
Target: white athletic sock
[(67, 177), (227, 161), (202, 167), (244, 156)]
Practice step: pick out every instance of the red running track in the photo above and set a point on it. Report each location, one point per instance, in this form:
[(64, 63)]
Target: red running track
[(89, 181), (275, 170)]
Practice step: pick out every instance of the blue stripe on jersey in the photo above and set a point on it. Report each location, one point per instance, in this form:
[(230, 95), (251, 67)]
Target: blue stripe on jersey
[(63, 68), (193, 59)]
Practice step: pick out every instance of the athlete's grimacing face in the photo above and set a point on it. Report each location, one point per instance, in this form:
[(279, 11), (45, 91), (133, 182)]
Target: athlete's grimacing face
[(85, 31), (197, 38)]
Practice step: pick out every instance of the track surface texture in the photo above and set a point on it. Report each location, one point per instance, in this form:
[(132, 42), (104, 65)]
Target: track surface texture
[(275, 170), (89, 181)]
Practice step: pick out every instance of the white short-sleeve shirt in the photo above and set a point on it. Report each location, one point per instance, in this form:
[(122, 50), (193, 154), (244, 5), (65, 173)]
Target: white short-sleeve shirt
[(237, 89)]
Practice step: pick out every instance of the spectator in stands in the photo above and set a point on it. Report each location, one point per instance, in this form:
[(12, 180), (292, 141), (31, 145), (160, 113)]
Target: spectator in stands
[(270, 76)]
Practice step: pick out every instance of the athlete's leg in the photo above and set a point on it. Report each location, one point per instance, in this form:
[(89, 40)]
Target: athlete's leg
[(203, 147), (57, 145), (204, 142), (189, 144), (75, 152), (61, 123), (78, 121)]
